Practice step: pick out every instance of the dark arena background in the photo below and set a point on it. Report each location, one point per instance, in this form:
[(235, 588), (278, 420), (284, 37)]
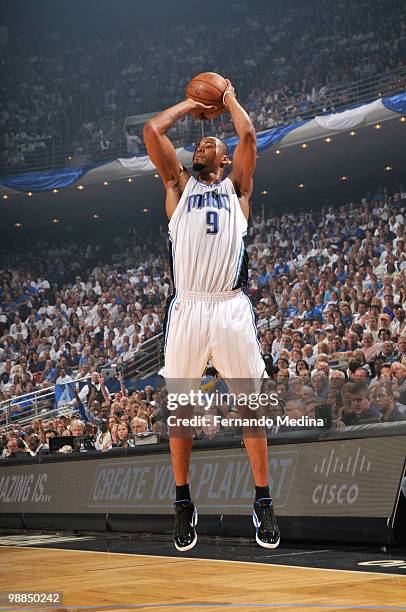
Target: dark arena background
[(87, 489)]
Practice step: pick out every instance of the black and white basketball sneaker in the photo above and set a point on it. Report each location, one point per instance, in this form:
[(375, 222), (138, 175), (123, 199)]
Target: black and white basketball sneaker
[(267, 531), (184, 534)]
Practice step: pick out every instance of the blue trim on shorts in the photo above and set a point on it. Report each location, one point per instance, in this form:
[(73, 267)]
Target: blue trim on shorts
[(173, 260), (240, 260), (174, 299), (253, 322)]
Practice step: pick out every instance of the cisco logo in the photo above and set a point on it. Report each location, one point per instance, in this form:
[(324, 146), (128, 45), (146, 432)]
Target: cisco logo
[(338, 473)]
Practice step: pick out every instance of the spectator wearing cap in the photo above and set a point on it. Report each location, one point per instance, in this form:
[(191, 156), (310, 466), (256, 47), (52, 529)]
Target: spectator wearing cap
[(384, 321)]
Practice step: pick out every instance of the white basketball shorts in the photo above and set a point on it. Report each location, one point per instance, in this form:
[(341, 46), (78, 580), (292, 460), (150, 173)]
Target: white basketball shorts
[(220, 326)]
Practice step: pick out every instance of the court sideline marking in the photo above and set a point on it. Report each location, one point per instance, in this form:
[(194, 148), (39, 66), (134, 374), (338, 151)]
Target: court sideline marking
[(182, 559), (211, 605)]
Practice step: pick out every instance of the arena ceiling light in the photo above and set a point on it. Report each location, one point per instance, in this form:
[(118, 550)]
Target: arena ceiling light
[(30, 194), (328, 140), (5, 197), (106, 183), (377, 126), (18, 225), (95, 215), (55, 190), (264, 192), (55, 220), (129, 180), (81, 187), (301, 186), (145, 210), (156, 175), (402, 119), (344, 178), (388, 168), (353, 133), (304, 145), (70, 157), (277, 151)]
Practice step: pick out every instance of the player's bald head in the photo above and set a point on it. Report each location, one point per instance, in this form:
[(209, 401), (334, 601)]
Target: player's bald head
[(222, 146)]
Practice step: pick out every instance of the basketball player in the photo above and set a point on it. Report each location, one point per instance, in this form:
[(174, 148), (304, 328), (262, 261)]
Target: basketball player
[(209, 315)]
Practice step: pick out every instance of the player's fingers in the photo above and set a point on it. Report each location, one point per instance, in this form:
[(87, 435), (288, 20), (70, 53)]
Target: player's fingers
[(205, 107)]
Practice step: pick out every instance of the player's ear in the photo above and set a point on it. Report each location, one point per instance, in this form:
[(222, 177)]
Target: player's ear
[(225, 161)]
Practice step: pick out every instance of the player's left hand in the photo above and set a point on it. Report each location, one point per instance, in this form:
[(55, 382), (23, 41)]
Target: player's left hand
[(229, 91), (197, 109)]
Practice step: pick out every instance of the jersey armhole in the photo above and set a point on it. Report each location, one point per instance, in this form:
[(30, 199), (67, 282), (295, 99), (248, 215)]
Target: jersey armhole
[(232, 185), (245, 220), (176, 212)]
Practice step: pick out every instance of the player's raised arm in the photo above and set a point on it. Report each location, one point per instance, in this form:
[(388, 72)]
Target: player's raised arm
[(160, 149), (162, 152), (245, 154)]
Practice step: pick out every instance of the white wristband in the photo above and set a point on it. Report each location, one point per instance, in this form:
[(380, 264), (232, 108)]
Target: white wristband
[(228, 91)]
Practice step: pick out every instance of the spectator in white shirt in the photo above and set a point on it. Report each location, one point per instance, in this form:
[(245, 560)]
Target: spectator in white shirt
[(43, 323), (63, 377)]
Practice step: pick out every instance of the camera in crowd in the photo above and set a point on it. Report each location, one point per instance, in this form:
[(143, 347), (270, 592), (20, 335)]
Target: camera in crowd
[(111, 372)]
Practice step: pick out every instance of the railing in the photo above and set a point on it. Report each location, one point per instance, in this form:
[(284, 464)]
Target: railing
[(146, 362), (53, 155)]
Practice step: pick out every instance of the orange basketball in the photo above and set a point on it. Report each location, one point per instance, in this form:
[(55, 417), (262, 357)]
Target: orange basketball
[(208, 88)]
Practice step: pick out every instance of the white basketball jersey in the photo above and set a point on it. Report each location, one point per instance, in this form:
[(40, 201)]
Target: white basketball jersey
[(206, 234)]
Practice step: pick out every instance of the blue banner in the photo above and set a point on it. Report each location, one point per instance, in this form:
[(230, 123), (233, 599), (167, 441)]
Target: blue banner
[(64, 394), (264, 139), (397, 103), (45, 181)]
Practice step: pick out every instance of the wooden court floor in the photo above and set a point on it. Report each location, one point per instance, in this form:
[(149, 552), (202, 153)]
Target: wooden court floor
[(118, 582)]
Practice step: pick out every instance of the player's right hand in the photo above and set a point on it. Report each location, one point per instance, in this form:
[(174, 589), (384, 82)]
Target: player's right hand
[(197, 109)]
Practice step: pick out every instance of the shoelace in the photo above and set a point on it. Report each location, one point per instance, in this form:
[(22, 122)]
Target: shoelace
[(267, 517), (267, 514), (182, 520)]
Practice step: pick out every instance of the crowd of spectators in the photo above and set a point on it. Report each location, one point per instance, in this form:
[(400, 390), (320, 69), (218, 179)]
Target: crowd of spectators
[(328, 289), (73, 94)]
